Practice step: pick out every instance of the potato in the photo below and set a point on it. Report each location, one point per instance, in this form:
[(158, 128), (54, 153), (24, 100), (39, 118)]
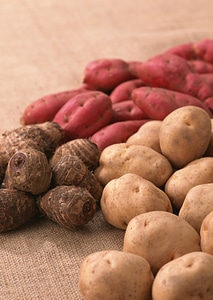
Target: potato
[(209, 150), (197, 204), (187, 277), (199, 171), (119, 159), (114, 275), (147, 135), (130, 195), (185, 134), (160, 237), (206, 233)]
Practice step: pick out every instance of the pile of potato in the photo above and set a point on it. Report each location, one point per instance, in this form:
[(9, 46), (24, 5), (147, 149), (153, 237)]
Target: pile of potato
[(158, 187)]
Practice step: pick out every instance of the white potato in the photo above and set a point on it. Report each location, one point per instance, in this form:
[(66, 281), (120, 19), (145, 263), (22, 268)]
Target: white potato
[(114, 275), (130, 195), (187, 277)]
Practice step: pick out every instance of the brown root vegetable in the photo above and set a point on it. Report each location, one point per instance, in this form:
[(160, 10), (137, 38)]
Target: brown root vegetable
[(44, 137), (29, 171), (68, 206), (85, 149), (71, 170), (3, 166), (17, 208)]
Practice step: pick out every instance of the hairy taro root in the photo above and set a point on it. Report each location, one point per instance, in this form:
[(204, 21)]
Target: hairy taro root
[(85, 149), (69, 206), (17, 208), (29, 171), (71, 170), (45, 137)]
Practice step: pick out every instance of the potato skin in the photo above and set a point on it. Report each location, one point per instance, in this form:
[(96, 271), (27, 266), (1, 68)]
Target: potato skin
[(119, 159), (130, 195), (206, 234), (115, 275), (199, 171), (197, 204), (185, 134), (187, 277), (147, 135), (164, 231)]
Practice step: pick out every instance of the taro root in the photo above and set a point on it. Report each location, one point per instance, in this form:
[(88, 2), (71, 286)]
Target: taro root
[(71, 170), (45, 137), (29, 171), (85, 149), (17, 208), (69, 206), (3, 167)]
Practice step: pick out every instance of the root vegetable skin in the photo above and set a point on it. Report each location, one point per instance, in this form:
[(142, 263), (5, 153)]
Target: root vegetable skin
[(174, 73), (69, 206), (85, 149), (201, 66), (45, 108), (201, 50), (115, 133), (84, 114), (105, 74), (17, 208), (29, 171), (124, 90), (127, 110), (71, 170), (44, 137), (157, 103)]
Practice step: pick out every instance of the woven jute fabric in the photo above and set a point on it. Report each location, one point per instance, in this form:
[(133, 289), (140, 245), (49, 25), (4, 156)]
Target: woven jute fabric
[(44, 48)]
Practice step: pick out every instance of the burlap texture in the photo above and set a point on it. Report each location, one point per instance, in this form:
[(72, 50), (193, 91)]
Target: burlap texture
[(44, 47)]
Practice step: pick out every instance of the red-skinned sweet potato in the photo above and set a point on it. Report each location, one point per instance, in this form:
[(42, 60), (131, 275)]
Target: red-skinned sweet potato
[(123, 91), (208, 77), (45, 108), (185, 51), (115, 133), (105, 74), (84, 114), (174, 73), (202, 50), (200, 66), (157, 103), (209, 103), (126, 110)]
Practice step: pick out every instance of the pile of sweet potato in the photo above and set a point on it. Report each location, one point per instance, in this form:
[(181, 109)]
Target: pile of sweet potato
[(117, 97)]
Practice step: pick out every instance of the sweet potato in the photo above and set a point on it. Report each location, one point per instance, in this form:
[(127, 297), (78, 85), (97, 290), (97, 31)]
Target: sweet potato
[(202, 50), (123, 91), (105, 74), (200, 66), (209, 103), (126, 110), (84, 114), (172, 72), (185, 51), (115, 133), (157, 103), (208, 77), (45, 108)]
